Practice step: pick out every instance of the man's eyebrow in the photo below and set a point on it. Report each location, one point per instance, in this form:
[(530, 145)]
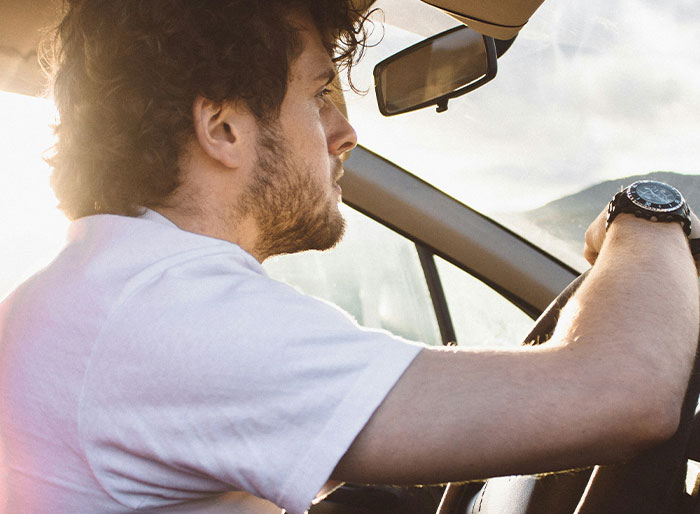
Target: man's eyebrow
[(329, 74)]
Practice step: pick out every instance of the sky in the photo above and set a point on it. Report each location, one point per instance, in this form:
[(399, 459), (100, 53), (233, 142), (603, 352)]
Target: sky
[(589, 91)]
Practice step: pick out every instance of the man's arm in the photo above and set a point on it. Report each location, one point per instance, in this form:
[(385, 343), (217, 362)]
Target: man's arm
[(609, 383)]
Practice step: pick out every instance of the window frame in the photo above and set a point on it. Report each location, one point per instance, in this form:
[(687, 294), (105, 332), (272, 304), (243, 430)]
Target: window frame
[(524, 274)]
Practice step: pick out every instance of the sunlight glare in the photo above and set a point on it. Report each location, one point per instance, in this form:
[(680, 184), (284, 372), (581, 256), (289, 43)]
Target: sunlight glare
[(32, 229)]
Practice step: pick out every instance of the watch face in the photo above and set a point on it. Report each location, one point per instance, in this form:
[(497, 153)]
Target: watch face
[(655, 196)]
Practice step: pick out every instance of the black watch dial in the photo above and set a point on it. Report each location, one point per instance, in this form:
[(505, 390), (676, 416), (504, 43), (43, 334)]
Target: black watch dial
[(655, 196)]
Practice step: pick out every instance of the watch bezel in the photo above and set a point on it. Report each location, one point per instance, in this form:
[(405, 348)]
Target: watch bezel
[(637, 200)]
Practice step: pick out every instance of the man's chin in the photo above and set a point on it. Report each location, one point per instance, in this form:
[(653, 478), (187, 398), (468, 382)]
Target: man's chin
[(323, 235), (330, 235)]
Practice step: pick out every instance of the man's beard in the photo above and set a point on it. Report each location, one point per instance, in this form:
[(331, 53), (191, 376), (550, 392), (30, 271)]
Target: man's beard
[(292, 210)]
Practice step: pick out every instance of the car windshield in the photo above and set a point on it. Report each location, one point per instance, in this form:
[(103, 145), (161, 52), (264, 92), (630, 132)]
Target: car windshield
[(589, 95)]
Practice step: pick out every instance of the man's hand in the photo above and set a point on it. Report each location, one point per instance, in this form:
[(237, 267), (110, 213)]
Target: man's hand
[(595, 236), (695, 234)]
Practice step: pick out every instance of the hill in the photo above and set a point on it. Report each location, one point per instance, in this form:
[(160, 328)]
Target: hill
[(568, 217)]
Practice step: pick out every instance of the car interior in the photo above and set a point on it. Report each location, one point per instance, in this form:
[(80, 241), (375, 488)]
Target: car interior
[(484, 157)]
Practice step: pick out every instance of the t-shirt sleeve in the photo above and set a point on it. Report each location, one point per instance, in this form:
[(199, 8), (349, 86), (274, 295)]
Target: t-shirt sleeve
[(205, 383)]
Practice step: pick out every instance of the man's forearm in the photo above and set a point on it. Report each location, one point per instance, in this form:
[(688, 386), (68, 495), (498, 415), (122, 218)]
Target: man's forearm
[(639, 308)]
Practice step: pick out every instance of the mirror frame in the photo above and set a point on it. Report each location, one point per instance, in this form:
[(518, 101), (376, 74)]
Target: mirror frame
[(441, 101)]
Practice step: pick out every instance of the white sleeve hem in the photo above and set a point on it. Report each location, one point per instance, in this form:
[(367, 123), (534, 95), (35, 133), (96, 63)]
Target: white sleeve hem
[(352, 414)]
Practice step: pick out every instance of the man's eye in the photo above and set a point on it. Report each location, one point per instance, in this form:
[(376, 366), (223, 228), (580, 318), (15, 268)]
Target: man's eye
[(324, 92)]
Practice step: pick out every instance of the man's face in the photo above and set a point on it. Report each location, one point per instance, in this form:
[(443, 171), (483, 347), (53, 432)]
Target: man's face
[(293, 194)]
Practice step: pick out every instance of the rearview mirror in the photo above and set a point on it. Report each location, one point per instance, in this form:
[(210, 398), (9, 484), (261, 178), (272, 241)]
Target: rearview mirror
[(433, 71)]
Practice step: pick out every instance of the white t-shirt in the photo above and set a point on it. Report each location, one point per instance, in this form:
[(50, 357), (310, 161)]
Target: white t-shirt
[(152, 368)]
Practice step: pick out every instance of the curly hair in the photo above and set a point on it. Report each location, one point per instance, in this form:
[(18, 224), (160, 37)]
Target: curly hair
[(126, 74)]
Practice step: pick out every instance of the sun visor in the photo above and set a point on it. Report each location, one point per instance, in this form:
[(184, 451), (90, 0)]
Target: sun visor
[(23, 25), (500, 19)]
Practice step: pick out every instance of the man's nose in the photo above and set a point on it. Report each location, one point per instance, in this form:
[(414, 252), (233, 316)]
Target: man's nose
[(342, 137)]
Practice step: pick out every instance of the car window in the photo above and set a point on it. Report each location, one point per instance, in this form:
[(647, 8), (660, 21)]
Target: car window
[(373, 273), (480, 315)]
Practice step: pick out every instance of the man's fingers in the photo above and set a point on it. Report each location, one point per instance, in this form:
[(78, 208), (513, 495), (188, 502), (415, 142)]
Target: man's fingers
[(694, 226), (595, 235), (590, 255)]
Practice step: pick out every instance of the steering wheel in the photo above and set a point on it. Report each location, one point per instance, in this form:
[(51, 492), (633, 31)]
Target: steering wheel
[(651, 483)]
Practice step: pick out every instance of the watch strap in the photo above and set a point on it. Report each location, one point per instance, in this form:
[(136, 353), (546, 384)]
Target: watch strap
[(694, 246)]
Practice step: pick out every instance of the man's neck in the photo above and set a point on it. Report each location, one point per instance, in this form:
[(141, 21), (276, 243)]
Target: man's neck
[(219, 226)]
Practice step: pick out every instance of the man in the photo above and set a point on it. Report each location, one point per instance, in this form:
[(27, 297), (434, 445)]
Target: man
[(154, 366)]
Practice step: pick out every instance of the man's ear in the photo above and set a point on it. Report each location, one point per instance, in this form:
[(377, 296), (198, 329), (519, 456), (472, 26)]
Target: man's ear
[(219, 128)]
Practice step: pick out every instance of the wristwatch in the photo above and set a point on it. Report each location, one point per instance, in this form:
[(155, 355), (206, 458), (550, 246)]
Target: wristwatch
[(655, 201)]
